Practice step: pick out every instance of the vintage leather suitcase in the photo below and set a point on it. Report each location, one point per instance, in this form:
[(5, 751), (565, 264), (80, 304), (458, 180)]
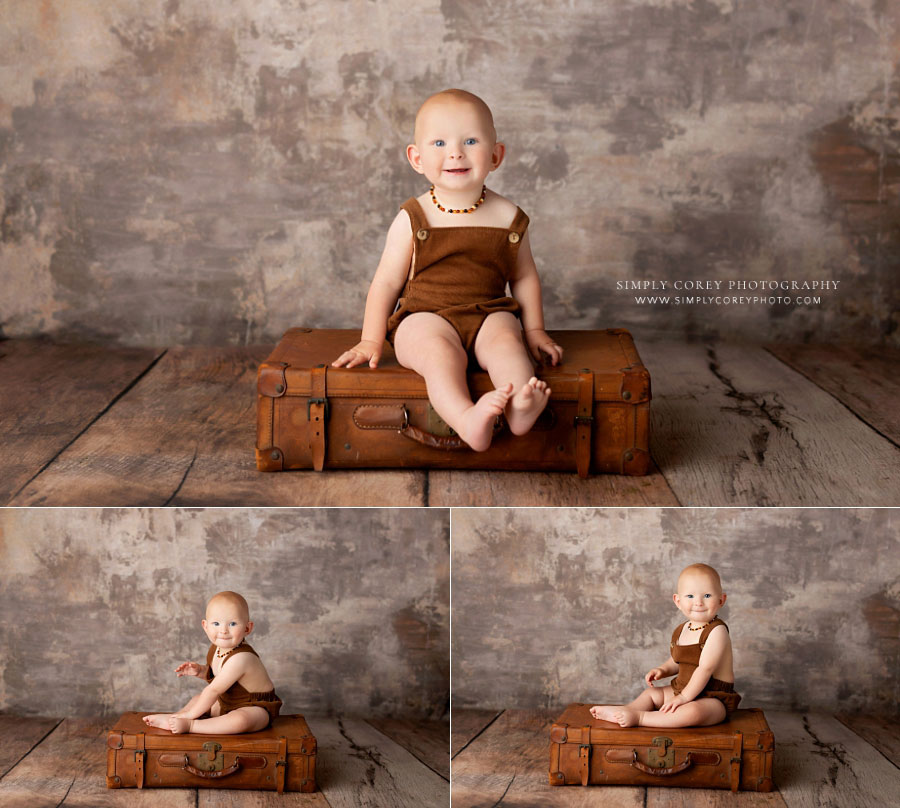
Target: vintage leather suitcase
[(736, 754), (311, 415), (280, 758)]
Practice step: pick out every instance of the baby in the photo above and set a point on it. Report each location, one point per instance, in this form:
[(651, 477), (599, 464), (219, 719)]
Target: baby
[(448, 257), (239, 695), (703, 691)]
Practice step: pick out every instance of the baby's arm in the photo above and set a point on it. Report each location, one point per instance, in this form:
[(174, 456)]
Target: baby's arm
[(668, 668), (231, 672), (386, 286), (717, 643), (526, 289)]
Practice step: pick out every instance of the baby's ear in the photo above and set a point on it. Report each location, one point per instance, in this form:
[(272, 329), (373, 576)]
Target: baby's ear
[(497, 155), (415, 159), (249, 626), (724, 597)]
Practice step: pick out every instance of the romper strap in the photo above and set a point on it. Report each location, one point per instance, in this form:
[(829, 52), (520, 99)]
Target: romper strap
[(676, 635), (417, 217), (520, 222)]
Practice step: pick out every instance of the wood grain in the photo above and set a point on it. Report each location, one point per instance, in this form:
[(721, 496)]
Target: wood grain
[(184, 435), (867, 380), (820, 762), (732, 425), (557, 489), (359, 767), (467, 724), (710, 798), (49, 393), (18, 736), (508, 763), (428, 741), (68, 768), (880, 731), (234, 798)]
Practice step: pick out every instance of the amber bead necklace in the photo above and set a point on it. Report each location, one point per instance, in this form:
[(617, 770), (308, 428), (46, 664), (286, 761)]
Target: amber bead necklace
[(474, 207)]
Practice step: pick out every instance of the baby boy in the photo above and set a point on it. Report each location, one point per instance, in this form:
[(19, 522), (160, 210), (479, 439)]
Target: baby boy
[(448, 257), (703, 691), (239, 695)]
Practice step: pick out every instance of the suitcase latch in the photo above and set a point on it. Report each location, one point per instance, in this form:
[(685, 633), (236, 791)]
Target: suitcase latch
[(662, 754), (212, 760), (585, 420)]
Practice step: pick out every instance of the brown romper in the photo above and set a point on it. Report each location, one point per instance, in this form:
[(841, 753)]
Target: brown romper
[(459, 273), (236, 695), (688, 659)]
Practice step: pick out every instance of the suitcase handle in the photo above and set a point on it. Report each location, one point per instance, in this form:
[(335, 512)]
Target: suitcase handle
[(447, 443), (234, 767), (666, 772)]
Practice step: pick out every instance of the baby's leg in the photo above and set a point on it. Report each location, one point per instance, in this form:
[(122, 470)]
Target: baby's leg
[(429, 345), (501, 351), (652, 698), (698, 713), (244, 719)]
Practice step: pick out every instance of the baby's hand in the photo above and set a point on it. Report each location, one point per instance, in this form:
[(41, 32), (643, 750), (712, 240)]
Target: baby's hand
[(539, 340), (188, 669), (673, 705), (656, 673), (366, 350)]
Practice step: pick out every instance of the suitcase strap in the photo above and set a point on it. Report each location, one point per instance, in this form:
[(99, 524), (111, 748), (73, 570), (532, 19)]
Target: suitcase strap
[(736, 752), (584, 422), (140, 755), (584, 755), (317, 414)]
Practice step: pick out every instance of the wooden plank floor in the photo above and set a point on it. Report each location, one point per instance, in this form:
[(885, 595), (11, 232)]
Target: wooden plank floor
[(819, 761), (731, 425), (48, 763)]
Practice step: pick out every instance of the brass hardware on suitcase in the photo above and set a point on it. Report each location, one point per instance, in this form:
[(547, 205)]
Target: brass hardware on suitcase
[(736, 754), (310, 415), (279, 758)]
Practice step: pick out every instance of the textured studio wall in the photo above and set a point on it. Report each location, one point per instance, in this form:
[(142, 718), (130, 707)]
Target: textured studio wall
[(351, 606), (206, 172), (554, 606)]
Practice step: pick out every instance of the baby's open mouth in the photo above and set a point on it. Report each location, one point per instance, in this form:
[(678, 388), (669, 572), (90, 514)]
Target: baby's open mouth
[(456, 170)]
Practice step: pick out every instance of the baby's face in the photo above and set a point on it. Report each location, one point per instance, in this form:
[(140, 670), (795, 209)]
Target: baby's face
[(455, 145), (699, 597), (226, 624)]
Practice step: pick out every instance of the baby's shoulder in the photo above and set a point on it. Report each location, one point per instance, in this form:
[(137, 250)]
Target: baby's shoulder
[(501, 205)]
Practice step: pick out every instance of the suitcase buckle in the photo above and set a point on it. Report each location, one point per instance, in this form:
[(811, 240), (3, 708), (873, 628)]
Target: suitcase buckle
[(212, 760), (586, 420), (322, 401), (662, 753)]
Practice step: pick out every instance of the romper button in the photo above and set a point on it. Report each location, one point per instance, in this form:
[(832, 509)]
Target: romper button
[(514, 238), (422, 234)]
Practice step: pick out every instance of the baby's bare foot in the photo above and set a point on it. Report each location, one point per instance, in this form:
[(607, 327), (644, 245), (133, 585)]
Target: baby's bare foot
[(526, 405), (626, 717), (605, 712), (160, 720), (179, 725), (478, 421)]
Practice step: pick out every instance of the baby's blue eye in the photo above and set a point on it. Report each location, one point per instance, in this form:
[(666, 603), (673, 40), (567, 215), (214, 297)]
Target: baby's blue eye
[(689, 596), (471, 141), (707, 596), (233, 623), (439, 143)]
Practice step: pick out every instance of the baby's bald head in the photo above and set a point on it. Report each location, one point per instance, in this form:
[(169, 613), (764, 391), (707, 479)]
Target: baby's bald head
[(446, 99), (703, 571), (229, 599)]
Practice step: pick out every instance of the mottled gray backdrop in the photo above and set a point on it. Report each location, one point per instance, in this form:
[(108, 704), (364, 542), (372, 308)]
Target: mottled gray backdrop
[(206, 172), (351, 606), (554, 606)]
